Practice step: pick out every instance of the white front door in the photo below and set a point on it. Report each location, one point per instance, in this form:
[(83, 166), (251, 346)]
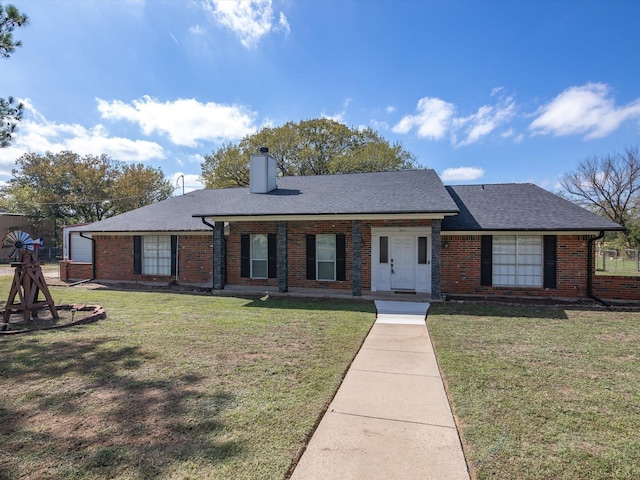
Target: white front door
[(403, 262)]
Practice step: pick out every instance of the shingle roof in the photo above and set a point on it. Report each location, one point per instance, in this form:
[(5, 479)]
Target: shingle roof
[(170, 215), (481, 207), (409, 191), (518, 207)]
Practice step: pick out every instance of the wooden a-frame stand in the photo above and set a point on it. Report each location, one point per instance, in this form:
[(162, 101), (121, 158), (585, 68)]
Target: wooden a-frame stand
[(28, 282)]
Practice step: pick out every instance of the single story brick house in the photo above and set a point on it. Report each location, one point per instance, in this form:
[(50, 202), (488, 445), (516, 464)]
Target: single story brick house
[(400, 231)]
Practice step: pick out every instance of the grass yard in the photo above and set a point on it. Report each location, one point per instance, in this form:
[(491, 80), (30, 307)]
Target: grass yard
[(543, 393), (172, 386)]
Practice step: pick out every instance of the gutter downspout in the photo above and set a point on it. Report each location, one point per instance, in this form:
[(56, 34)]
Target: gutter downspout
[(590, 271), (213, 258), (93, 257), (93, 262)]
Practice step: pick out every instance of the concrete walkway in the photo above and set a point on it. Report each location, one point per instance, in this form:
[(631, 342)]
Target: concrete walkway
[(390, 418)]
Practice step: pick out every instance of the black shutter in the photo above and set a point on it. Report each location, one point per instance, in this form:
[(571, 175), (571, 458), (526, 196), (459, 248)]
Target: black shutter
[(341, 257), (486, 260), (137, 255), (174, 254), (550, 262), (311, 257), (245, 255), (272, 267)]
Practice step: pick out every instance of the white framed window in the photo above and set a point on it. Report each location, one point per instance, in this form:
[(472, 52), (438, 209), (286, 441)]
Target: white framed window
[(326, 257), (517, 260), (259, 256), (156, 255)]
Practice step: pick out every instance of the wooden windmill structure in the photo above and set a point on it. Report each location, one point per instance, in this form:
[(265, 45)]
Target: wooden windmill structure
[(28, 280)]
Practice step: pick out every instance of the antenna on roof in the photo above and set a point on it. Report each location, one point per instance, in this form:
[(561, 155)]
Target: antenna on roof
[(178, 181)]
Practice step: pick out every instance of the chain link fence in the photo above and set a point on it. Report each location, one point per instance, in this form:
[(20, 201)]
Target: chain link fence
[(625, 261)]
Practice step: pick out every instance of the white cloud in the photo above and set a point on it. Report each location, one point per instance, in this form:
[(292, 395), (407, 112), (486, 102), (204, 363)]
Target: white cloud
[(487, 119), (336, 117), (390, 109), (432, 120), (435, 119), (38, 135), (584, 110), (461, 174), (184, 121), (197, 30), (377, 125), (284, 24), (250, 20)]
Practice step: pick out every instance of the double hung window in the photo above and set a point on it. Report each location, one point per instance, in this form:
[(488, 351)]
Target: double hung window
[(156, 255), (326, 257), (517, 260), (259, 256)]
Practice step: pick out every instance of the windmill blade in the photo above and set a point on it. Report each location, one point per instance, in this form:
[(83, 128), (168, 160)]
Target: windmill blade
[(9, 240), (19, 240)]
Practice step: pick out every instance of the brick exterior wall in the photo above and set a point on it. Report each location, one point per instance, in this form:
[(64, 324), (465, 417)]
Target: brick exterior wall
[(613, 287), (75, 271), (460, 262), (233, 252), (297, 254), (460, 269), (114, 261)]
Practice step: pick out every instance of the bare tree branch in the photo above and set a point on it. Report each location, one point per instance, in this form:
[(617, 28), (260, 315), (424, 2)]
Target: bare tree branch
[(609, 185)]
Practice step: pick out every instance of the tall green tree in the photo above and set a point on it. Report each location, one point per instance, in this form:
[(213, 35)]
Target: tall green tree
[(69, 188), (10, 110), (610, 186), (309, 147), (135, 186)]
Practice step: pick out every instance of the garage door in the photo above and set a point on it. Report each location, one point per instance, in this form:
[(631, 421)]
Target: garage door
[(79, 248)]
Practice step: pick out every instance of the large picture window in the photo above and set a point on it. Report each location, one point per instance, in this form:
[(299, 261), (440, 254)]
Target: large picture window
[(156, 255), (259, 256), (517, 260), (326, 257)]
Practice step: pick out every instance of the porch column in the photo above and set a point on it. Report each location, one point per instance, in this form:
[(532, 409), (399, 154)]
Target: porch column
[(219, 260), (356, 271), (283, 274), (435, 259)]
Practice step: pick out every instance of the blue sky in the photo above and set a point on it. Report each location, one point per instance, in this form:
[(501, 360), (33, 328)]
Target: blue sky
[(480, 91)]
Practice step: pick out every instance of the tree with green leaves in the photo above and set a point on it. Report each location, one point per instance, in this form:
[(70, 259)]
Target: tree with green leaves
[(610, 186), (10, 110), (69, 188), (309, 147)]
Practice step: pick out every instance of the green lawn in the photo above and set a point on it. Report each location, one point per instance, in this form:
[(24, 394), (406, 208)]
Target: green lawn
[(172, 386), (543, 393)]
